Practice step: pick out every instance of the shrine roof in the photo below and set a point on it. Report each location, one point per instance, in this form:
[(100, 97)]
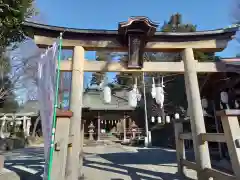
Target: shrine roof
[(93, 100), (54, 31), (217, 81), (233, 63)]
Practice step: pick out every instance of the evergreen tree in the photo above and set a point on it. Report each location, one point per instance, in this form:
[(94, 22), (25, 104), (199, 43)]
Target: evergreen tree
[(12, 15), (7, 96)]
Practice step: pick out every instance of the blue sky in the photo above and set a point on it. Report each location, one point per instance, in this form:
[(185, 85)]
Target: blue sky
[(206, 14), (105, 14)]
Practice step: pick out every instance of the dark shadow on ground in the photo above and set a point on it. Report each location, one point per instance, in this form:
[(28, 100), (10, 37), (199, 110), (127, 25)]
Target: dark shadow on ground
[(132, 171), (25, 175), (30, 160), (33, 158), (151, 156)]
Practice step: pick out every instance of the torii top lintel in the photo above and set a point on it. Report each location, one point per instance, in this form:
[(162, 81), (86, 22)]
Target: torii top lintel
[(117, 40)]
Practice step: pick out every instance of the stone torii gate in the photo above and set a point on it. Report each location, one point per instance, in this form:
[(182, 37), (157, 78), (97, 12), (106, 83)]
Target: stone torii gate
[(135, 36)]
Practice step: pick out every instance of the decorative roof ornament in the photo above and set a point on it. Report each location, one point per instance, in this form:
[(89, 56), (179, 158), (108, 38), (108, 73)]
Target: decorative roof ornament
[(138, 20), (134, 34)]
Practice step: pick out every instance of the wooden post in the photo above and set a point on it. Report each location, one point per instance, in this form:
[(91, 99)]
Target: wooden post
[(232, 134), (124, 129), (61, 145), (217, 129), (83, 130), (81, 153), (180, 148), (99, 126), (74, 165), (1, 162), (196, 114)]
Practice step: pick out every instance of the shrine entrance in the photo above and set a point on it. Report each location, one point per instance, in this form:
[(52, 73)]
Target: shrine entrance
[(136, 36)]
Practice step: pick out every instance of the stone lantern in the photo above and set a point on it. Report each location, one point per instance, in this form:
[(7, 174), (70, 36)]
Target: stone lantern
[(3, 122), (91, 128), (134, 129)]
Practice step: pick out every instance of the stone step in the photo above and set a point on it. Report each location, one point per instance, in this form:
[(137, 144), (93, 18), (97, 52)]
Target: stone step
[(108, 138)]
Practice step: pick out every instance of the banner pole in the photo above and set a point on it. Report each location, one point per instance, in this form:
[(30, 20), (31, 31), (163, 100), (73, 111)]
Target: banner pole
[(55, 108)]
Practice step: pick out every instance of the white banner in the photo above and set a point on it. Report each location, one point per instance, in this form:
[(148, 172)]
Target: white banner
[(46, 89)]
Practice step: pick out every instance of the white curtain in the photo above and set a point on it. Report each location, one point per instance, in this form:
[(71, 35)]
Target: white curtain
[(46, 90)]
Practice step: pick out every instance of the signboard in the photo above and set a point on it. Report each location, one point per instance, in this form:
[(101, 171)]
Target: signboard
[(46, 90)]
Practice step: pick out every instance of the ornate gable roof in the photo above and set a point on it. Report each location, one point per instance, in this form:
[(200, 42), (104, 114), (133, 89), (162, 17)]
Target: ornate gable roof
[(93, 99)]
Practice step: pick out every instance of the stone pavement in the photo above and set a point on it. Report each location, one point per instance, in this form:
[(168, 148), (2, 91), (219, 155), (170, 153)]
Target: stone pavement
[(104, 162), (115, 162), (6, 174), (28, 163)]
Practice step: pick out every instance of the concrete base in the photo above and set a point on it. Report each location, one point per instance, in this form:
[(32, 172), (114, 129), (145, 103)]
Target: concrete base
[(147, 143), (81, 177), (125, 142), (1, 162), (6, 174)]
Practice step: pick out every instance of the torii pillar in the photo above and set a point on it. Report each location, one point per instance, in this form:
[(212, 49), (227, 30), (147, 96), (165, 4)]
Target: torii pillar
[(75, 159), (201, 150)]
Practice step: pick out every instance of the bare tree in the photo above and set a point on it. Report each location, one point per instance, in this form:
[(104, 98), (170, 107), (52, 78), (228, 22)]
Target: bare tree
[(27, 75)]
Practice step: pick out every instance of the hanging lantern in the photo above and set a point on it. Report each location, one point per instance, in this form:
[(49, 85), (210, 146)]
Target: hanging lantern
[(204, 102), (159, 119), (188, 111), (236, 104), (101, 85), (153, 92), (221, 106), (160, 94), (167, 119), (224, 97), (176, 116), (153, 119), (139, 96), (107, 94), (18, 123), (132, 97)]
